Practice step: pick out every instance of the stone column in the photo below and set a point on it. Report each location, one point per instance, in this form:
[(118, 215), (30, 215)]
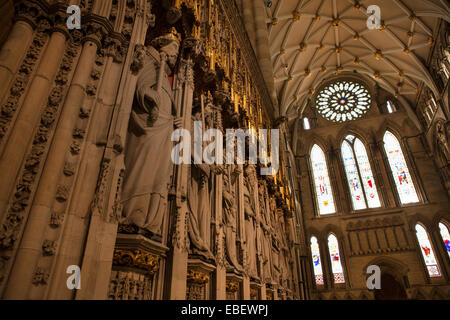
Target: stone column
[(13, 51), (96, 256), (31, 244), (389, 188), (178, 260), (29, 115)]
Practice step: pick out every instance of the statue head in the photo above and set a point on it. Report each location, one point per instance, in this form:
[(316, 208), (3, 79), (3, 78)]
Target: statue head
[(169, 44)]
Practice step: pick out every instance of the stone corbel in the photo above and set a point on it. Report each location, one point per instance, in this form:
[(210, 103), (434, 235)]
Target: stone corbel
[(199, 271)]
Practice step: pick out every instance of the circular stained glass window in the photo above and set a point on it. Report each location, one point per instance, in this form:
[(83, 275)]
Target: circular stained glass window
[(343, 101)]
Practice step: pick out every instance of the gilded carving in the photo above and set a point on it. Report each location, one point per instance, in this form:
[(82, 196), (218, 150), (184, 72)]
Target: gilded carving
[(197, 277), (232, 286), (136, 259)]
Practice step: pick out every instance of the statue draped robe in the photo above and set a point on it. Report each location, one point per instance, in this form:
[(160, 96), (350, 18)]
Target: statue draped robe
[(148, 162)]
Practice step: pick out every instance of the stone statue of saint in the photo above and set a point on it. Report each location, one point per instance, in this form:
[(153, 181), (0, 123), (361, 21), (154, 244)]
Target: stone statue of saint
[(264, 235), (250, 234), (442, 139), (230, 218), (198, 196), (148, 164)]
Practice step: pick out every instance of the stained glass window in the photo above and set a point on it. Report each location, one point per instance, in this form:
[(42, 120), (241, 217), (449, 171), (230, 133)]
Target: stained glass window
[(317, 262), (322, 181), (343, 101), (445, 236), (359, 174), (405, 186), (427, 251), (335, 257)]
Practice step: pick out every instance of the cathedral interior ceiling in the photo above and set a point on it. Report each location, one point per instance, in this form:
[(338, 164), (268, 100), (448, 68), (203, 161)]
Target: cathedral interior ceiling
[(311, 40)]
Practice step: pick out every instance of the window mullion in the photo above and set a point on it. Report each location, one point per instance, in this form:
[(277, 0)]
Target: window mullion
[(359, 175)]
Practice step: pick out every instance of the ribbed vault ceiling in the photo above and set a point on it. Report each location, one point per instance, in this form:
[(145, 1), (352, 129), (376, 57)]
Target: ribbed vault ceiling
[(311, 40)]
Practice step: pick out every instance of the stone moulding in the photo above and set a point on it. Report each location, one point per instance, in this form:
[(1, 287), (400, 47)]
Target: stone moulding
[(136, 259)]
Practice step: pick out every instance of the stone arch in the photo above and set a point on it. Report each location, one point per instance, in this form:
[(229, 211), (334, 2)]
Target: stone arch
[(440, 216), (393, 273), (352, 129), (315, 139), (389, 125), (388, 264), (421, 219)]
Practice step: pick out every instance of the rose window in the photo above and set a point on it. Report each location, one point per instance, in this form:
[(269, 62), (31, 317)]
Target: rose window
[(343, 101)]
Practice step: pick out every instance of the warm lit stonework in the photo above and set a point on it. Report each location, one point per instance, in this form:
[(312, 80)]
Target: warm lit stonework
[(89, 190)]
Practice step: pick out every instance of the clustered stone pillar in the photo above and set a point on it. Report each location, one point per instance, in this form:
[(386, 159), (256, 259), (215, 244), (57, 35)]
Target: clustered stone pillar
[(12, 52), (30, 112), (31, 245)]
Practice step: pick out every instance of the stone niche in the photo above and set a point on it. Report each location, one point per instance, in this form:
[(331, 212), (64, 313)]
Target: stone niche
[(255, 291), (136, 271), (198, 280), (269, 292), (234, 287)]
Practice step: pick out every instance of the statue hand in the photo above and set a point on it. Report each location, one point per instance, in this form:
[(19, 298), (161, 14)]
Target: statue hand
[(178, 122)]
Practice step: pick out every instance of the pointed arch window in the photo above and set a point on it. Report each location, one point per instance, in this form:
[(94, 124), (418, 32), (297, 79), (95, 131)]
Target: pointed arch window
[(400, 172), (322, 183), (335, 257), (359, 174), (427, 251), (445, 234), (317, 261)]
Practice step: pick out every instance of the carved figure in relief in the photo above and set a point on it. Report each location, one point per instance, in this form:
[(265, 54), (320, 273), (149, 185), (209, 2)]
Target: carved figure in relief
[(199, 204), (442, 139), (230, 215), (250, 216), (264, 235), (148, 165)]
